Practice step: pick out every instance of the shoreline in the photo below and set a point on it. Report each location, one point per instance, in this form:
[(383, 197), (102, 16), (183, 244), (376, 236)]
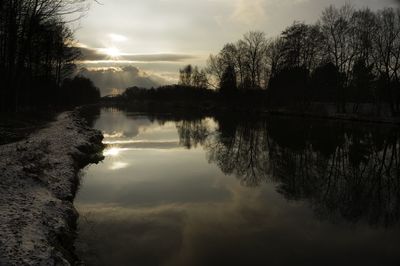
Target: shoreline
[(160, 107), (339, 117), (40, 176)]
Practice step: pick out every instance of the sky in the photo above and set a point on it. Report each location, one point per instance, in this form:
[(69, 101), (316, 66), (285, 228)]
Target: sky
[(129, 43)]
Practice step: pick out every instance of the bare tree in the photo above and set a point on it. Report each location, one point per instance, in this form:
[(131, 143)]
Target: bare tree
[(302, 45), (386, 49), (336, 27), (199, 78), (34, 45), (274, 56), (255, 47), (364, 30), (185, 75)]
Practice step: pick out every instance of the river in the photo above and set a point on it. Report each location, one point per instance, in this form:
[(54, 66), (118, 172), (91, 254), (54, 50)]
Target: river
[(229, 190)]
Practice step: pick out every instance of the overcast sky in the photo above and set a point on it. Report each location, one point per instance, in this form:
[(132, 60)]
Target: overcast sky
[(160, 36)]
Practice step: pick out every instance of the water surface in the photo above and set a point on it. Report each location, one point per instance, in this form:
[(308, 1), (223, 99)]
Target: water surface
[(240, 191)]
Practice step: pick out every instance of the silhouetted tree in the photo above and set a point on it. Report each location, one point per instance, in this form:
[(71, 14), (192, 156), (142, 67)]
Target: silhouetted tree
[(324, 83), (247, 57), (364, 29), (275, 57), (254, 48), (386, 56), (79, 90), (353, 57), (35, 49), (173, 95), (289, 87), (228, 81), (185, 75), (361, 87), (193, 77), (199, 78), (336, 27), (302, 46)]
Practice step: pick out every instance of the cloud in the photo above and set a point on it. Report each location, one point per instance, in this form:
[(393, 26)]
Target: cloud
[(112, 80), (93, 54), (117, 37), (256, 13), (249, 12), (89, 54), (159, 57)]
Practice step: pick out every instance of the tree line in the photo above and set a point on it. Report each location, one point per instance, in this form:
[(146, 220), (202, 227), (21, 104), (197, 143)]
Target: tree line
[(37, 54), (348, 56)]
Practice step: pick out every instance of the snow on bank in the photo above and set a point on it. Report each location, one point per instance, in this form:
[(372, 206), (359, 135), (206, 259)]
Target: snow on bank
[(38, 181)]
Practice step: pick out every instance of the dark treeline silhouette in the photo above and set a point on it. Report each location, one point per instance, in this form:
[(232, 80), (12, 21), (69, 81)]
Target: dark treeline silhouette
[(169, 93), (347, 62), (192, 93), (170, 98), (193, 77), (37, 53), (79, 90), (341, 169), (192, 87), (349, 57)]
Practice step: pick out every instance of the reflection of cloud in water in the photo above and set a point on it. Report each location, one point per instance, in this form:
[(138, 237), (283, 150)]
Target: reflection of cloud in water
[(119, 236), (120, 126), (139, 144), (172, 208), (118, 165), (110, 121), (231, 232)]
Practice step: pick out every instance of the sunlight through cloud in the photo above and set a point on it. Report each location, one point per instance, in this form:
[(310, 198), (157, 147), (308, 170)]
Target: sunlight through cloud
[(112, 52)]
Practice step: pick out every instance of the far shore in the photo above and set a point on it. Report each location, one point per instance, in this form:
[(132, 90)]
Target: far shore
[(367, 113)]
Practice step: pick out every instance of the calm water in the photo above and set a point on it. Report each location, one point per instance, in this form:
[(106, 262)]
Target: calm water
[(225, 191)]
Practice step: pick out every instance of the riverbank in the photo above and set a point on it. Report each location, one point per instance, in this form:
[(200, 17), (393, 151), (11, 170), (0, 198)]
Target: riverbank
[(18, 126), (38, 183), (367, 113)]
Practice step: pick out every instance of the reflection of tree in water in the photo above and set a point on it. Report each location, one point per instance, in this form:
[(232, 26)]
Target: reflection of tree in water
[(358, 178), (192, 132), (243, 153), (350, 171)]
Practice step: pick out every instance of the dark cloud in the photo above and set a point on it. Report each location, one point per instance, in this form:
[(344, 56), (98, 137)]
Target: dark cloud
[(90, 54), (159, 57), (113, 79)]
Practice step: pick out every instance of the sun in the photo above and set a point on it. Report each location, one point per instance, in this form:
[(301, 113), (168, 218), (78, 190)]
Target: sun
[(112, 52)]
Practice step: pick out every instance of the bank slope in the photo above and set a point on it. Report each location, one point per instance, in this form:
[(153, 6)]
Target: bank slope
[(39, 178)]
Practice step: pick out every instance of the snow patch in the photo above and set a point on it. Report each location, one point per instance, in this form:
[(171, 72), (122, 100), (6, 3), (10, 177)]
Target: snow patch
[(38, 181)]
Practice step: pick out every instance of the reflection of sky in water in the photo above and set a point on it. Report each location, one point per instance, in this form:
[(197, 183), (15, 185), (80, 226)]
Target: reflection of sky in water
[(153, 202)]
